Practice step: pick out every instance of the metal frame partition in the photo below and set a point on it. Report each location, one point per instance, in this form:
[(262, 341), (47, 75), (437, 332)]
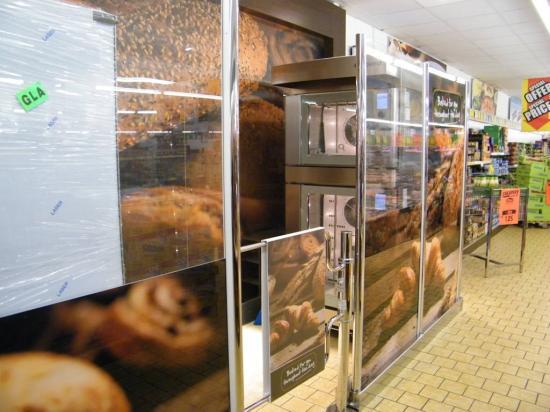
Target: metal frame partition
[(232, 230), (437, 241)]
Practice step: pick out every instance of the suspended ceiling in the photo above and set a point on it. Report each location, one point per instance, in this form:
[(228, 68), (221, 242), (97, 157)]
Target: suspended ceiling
[(498, 41)]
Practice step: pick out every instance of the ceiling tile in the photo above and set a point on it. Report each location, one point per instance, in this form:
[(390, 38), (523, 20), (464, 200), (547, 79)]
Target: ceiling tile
[(405, 18), (488, 33), (506, 5), (499, 41), (475, 22), (521, 28), (418, 30), (520, 16), (462, 9), (372, 7)]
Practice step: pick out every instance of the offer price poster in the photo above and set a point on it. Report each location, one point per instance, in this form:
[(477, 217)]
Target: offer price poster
[(535, 105), (508, 213)]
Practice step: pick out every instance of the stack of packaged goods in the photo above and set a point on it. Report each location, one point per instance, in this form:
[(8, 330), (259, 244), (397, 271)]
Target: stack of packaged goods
[(533, 175)]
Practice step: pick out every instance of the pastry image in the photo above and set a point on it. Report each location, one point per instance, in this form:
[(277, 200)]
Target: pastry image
[(47, 382), (167, 228), (453, 191), (298, 323), (159, 322)]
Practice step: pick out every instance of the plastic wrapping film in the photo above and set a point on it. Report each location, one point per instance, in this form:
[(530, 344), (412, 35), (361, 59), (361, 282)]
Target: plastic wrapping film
[(110, 142), (58, 160)]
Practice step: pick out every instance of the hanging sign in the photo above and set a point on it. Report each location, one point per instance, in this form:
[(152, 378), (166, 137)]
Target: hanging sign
[(296, 269), (535, 105), (447, 107), (508, 213)]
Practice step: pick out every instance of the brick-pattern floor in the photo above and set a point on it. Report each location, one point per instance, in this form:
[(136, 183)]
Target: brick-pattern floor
[(492, 356)]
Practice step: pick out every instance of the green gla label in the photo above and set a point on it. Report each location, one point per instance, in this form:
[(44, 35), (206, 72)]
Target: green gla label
[(32, 96)]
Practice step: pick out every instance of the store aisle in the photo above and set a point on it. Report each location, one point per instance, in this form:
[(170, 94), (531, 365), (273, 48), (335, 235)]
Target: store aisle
[(492, 356)]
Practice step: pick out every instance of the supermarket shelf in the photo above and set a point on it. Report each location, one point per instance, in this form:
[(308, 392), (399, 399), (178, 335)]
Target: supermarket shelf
[(479, 162)]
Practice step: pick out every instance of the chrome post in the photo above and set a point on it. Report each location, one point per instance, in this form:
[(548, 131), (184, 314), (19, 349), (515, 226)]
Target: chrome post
[(464, 182), (231, 221), (345, 283), (524, 225), (489, 231), (360, 225), (423, 194)]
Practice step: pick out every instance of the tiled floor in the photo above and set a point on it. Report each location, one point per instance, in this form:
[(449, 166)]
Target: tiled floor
[(492, 356)]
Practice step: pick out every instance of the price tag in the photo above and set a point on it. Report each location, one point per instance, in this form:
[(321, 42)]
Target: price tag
[(508, 213), (32, 96)]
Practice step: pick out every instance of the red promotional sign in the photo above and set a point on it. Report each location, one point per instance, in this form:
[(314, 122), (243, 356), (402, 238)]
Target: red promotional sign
[(508, 213), (535, 104), (548, 193)]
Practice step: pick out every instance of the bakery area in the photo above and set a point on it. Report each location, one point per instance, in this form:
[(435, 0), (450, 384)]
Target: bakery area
[(268, 205)]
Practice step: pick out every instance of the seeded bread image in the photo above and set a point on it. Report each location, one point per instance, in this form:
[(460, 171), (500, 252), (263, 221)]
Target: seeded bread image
[(167, 228), (47, 382), (174, 47)]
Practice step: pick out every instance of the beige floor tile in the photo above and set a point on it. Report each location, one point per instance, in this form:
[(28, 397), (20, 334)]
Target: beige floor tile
[(390, 406), (413, 400), (321, 399), (410, 386), (434, 393), (458, 401), (496, 387), (297, 405), (504, 402), (544, 401), (431, 380), (478, 394), (529, 407), (454, 387), (471, 380), (434, 406), (479, 406)]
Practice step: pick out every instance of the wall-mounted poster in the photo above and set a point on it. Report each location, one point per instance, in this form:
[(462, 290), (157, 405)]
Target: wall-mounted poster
[(405, 51), (484, 97), (156, 345), (515, 109), (535, 105), (444, 192), (296, 269)]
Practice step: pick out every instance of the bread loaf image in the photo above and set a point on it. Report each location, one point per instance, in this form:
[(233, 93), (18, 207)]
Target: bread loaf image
[(177, 45), (47, 382), (169, 228)]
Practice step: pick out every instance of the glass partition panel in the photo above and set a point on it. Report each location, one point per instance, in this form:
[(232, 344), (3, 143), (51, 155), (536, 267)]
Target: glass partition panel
[(110, 144), (110, 166), (394, 166), (445, 168)]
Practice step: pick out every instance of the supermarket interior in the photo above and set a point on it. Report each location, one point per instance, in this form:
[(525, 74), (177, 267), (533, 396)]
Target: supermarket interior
[(274, 205)]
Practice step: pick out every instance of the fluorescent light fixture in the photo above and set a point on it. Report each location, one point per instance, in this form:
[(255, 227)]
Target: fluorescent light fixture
[(127, 90), (446, 125), (193, 95), (382, 121), (440, 73), (543, 9), (142, 80)]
